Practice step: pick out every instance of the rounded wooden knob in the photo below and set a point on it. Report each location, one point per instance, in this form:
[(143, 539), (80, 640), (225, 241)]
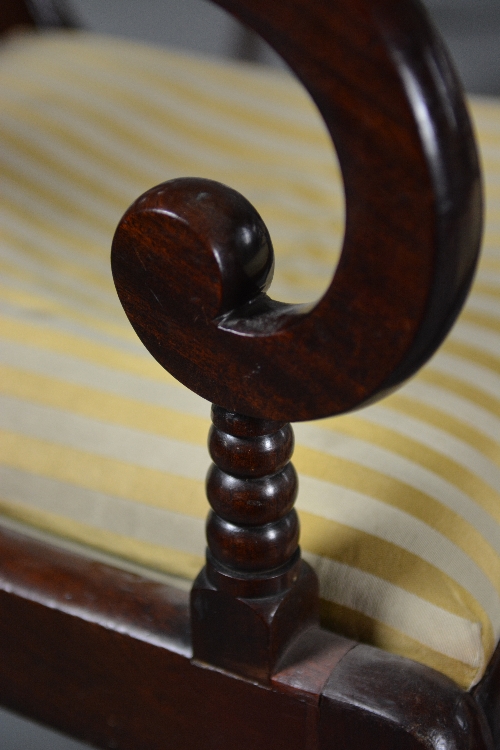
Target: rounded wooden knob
[(192, 259), (193, 247)]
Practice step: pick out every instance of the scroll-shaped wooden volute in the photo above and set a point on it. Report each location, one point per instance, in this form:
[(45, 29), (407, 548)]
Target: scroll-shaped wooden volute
[(192, 261)]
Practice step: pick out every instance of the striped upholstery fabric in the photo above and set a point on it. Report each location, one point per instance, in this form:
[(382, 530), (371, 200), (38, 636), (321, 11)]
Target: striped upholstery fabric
[(399, 503)]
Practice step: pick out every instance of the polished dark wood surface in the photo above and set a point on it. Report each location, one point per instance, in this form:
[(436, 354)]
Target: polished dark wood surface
[(123, 662), (105, 656), (251, 486), (383, 83), (254, 588), (398, 703)]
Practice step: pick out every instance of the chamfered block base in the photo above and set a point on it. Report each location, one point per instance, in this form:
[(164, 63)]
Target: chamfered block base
[(260, 628)]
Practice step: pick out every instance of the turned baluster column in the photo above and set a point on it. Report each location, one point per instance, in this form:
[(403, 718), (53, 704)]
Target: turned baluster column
[(255, 593), (253, 531)]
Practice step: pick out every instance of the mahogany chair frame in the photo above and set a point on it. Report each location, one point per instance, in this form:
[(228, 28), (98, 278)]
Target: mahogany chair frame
[(121, 661)]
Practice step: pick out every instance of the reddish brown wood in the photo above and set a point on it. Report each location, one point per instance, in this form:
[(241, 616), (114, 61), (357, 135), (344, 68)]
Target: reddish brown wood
[(251, 465), (258, 502), (104, 656), (192, 260), (389, 97), (253, 549), (378, 700), (254, 587), (248, 635), (308, 662)]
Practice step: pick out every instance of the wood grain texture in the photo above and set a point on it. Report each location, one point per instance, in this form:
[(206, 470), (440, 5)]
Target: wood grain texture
[(251, 486), (379, 700), (249, 635), (254, 589), (389, 97), (105, 656)]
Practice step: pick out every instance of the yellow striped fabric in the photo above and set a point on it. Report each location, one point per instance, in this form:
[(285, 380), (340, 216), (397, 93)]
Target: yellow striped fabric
[(399, 503)]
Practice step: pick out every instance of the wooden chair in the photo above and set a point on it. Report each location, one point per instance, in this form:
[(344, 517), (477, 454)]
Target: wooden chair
[(121, 661)]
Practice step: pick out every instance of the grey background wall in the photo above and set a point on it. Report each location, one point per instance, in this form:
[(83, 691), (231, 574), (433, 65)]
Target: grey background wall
[(471, 29)]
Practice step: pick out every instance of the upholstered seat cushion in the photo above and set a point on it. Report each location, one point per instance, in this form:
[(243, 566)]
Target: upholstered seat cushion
[(399, 503)]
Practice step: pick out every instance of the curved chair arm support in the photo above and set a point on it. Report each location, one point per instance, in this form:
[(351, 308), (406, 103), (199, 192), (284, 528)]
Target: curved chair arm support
[(392, 104)]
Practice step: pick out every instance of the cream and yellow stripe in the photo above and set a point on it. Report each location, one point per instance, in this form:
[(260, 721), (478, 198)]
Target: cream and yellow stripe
[(399, 503)]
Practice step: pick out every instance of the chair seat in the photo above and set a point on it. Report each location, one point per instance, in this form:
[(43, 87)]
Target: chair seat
[(399, 503)]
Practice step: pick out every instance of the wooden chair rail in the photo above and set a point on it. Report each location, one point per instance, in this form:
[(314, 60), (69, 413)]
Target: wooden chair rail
[(105, 656)]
